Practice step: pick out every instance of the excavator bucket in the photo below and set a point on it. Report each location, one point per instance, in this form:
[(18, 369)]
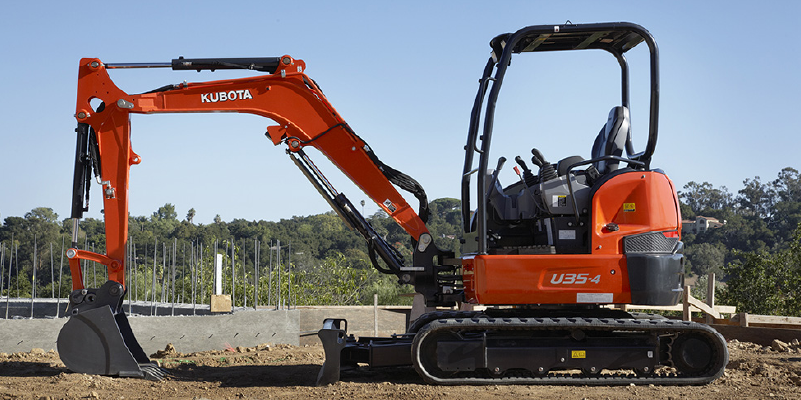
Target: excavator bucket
[(97, 339)]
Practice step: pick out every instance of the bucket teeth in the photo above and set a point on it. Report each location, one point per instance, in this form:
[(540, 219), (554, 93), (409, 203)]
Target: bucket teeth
[(153, 372)]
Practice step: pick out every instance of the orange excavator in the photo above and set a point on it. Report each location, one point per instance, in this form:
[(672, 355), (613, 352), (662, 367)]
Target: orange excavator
[(543, 255)]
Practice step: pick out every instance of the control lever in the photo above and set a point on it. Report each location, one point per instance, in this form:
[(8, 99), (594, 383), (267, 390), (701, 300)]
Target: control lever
[(521, 163), (537, 158), (547, 172), (494, 177), (528, 177)]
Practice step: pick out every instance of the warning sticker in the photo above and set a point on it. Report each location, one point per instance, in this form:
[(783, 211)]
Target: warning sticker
[(389, 205), (567, 235), (629, 207), (594, 297), (578, 354), (559, 201)]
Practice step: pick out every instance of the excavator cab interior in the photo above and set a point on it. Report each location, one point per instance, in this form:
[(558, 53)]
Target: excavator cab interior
[(517, 221), (548, 210)]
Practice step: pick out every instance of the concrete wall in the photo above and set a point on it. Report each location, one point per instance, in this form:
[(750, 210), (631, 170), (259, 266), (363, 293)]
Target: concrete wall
[(191, 334), (22, 335), (361, 320), (187, 333), (50, 308), (249, 328)]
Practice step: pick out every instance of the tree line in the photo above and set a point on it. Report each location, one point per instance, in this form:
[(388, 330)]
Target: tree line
[(757, 252), (324, 261)]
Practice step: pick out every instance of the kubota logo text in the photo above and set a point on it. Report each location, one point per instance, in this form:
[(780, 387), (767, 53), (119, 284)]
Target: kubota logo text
[(242, 94)]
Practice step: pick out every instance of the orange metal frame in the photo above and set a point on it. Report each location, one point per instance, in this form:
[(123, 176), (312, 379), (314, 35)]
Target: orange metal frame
[(599, 277), (288, 97)]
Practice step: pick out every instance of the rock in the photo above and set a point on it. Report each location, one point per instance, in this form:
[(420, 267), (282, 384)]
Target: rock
[(169, 351), (778, 345), (37, 350)]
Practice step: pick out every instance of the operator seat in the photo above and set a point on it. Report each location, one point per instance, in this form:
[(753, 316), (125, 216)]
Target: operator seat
[(611, 140)]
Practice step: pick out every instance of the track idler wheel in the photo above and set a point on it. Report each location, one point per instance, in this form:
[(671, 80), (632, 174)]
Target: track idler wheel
[(692, 353)]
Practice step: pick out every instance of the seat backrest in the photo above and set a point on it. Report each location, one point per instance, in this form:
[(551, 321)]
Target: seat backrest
[(611, 140)]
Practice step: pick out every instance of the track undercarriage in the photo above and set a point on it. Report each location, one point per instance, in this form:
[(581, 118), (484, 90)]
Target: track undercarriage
[(474, 348)]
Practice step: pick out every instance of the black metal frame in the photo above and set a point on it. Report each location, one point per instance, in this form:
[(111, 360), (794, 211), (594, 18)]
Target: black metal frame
[(616, 38)]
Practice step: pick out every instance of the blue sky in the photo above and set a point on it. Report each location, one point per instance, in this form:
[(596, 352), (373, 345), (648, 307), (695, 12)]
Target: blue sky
[(404, 75)]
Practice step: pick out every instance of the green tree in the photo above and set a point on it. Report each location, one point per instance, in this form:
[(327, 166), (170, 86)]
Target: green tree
[(702, 197), (706, 258), (755, 198), (765, 283), (190, 215), (164, 220)]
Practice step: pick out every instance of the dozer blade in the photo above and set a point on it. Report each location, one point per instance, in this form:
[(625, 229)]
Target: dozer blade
[(333, 339), (95, 340)]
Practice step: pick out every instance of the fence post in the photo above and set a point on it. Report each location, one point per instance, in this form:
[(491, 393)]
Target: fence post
[(280, 272), (256, 248), (375, 314), (193, 273), (289, 276), (233, 274), (743, 319), (52, 274), (218, 259), (244, 275), (33, 275), (710, 295), (270, 276), (2, 265), (153, 285), (60, 274), (172, 270), (686, 314)]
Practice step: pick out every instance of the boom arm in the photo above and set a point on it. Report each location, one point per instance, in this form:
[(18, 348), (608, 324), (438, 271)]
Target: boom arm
[(286, 96)]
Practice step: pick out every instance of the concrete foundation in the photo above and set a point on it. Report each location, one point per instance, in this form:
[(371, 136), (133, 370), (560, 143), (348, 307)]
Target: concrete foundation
[(187, 333), (362, 320), (190, 334), (192, 328)]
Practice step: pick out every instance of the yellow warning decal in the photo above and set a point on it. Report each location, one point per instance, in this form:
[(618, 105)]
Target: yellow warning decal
[(578, 354), (629, 207)]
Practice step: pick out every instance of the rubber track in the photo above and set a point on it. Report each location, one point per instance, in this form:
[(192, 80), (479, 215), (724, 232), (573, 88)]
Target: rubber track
[(661, 326)]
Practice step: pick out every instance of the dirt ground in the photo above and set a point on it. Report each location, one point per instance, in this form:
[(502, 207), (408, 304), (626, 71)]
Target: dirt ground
[(281, 371)]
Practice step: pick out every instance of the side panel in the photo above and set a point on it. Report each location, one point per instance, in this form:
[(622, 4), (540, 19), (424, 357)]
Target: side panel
[(556, 279), (634, 202), (627, 204)]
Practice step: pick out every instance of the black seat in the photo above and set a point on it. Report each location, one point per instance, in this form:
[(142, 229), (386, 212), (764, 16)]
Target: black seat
[(612, 139)]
